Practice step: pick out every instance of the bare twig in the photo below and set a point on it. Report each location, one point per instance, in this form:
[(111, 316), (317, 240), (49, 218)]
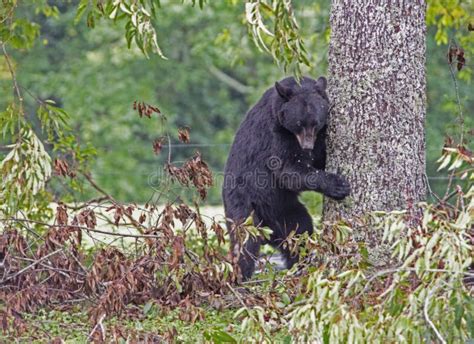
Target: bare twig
[(72, 301), (98, 325), (458, 98), (9, 16), (425, 176), (427, 318), (47, 267), (448, 197), (245, 306), (86, 204), (150, 236), (97, 187), (135, 223), (13, 75), (26, 268), (240, 300), (38, 100), (169, 149), (448, 188)]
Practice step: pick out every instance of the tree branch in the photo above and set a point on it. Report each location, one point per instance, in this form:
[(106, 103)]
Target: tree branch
[(229, 81), (13, 75)]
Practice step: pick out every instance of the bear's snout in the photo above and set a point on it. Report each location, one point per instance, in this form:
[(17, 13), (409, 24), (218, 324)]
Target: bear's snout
[(306, 138)]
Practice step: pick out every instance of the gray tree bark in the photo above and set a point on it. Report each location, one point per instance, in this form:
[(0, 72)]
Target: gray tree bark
[(377, 85)]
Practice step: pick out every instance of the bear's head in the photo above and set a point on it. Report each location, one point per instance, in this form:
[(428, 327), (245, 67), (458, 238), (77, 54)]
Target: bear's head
[(304, 109)]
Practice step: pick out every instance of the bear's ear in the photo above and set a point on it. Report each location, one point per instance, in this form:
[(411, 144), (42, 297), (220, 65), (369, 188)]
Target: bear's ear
[(284, 92), (321, 84)]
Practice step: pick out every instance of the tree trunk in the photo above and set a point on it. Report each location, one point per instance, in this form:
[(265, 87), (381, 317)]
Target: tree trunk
[(377, 85)]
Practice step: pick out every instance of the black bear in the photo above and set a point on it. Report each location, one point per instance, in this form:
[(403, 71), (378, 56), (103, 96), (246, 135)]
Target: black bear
[(278, 152)]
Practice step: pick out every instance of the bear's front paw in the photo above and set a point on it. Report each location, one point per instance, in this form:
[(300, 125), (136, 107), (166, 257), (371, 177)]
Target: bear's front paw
[(336, 187)]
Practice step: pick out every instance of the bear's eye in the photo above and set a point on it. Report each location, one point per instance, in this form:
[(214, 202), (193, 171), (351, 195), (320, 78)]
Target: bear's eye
[(298, 123)]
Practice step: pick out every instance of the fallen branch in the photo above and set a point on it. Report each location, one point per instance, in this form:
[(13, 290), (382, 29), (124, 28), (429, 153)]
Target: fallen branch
[(26, 268), (148, 236), (91, 181)]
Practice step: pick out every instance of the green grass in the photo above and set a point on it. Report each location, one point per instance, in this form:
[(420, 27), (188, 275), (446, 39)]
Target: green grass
[(73, 326)]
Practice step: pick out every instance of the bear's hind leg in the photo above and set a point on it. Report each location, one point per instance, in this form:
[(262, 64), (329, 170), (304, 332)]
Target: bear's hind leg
[(248, 257), (295, 218), (247, 252)]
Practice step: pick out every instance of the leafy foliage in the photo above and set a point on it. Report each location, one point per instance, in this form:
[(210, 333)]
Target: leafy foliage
[(424, 296), (284, 42), (446, 15), (25, 171), (138, 17)]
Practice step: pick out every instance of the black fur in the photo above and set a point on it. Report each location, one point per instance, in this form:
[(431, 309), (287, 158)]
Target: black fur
[(267, 166)]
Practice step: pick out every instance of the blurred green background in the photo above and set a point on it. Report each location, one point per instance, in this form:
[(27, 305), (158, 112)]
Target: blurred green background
[(212, 76)]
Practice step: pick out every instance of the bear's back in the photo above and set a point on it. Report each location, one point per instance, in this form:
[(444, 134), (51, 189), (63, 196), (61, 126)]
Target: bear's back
[(252, 142)]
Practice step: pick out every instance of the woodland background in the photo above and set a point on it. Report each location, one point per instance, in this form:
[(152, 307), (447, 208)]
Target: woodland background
[(213, 74)]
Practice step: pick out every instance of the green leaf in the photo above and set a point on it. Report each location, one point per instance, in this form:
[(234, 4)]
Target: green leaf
[(90, 20), (220, 336), (396, 305), (285, 298), (81, 8), (148, 306)]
